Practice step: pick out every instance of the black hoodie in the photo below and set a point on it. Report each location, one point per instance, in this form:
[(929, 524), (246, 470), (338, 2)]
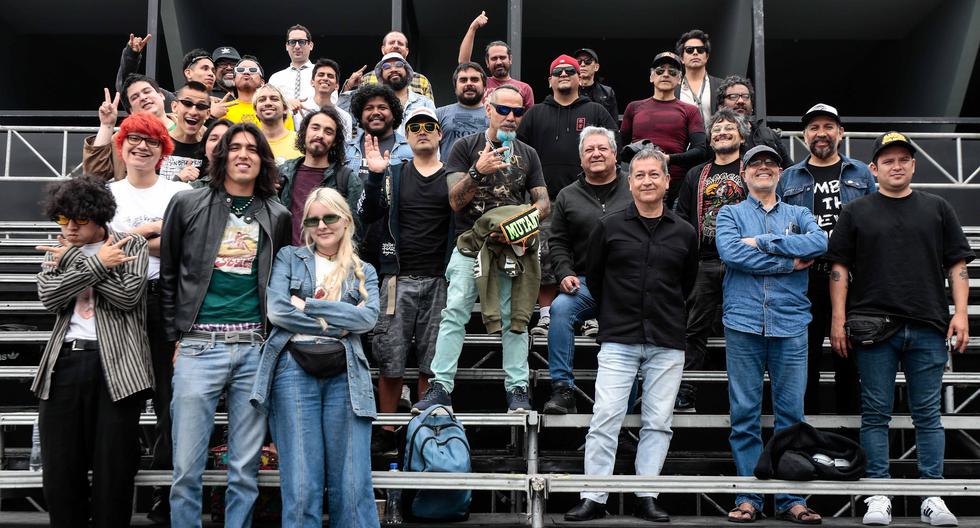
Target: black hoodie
[(553, 130)]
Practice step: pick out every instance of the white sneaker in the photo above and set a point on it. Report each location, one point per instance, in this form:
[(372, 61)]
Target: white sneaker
[(879, 511), (590, 328), (542, 327), (935, 512)]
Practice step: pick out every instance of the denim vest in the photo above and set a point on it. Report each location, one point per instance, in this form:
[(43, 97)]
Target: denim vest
[(796, 183), (294, 273)]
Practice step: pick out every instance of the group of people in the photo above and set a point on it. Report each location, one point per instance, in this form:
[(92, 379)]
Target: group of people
[(252, 235)]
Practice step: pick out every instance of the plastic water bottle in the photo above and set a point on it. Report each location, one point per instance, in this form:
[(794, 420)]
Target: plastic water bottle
[(393, 504), (35, 462)]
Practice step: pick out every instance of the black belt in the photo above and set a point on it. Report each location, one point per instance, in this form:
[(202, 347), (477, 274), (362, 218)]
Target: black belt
[(81, 344)]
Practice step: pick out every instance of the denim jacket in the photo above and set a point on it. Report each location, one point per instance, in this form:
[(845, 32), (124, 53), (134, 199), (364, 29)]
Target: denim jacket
[(294, 274), (762, 293), (796, 183), (400, 151)]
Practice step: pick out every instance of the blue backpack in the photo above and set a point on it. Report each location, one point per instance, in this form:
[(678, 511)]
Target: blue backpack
[(436, 442)]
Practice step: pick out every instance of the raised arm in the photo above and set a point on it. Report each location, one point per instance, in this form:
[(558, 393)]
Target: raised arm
[(466, 46)]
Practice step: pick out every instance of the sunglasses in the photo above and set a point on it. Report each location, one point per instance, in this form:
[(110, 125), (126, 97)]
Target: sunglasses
[(690, 50), (390, 65), (673, 72), (314, 221), (504, 109), (63, 220), (191, 104), (246, 69), (428, 126), (297, 42), (768, 162), (736, 97), (567, 70), (134, 139), (586, 61)]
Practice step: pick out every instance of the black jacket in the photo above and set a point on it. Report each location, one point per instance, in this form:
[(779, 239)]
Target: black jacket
[(640, 278), (789, 456), (193, 226), (604, 95), (763, 135), (553, 130), (574, 215)]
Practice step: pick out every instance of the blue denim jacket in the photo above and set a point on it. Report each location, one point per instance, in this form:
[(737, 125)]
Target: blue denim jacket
[(762, 293), (294, 273), (400, 151), (796, 183)]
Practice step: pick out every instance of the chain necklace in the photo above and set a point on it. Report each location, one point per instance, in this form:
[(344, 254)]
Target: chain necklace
[(239, 211)]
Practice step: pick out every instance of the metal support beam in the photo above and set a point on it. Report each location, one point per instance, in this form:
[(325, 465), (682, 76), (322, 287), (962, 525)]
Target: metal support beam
[(515, 21), (759, 56), (152, 28), (732, 41), (397, 8)]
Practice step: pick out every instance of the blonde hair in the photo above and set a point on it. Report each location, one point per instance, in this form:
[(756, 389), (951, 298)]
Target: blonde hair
[(346, 258), (282, 97)]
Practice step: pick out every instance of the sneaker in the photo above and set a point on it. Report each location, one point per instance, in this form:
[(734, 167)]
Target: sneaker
[(541, 329), (384, 443), (405, 400), (935, 512), (159, 513), (590, 328), (684, 403), (436, 395), (562, 400), (518, 400), (879, 511)]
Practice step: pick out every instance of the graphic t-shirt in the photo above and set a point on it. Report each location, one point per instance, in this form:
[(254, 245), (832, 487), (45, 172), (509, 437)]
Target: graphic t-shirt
[(423, 222), (135, 207), (233, 293), (185, 154), (457, 122), (82, 322), (242, 112), (722, 186), (826, 195), (284, 148)]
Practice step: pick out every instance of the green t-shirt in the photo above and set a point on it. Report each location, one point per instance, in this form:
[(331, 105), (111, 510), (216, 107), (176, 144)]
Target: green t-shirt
[(233, 294)]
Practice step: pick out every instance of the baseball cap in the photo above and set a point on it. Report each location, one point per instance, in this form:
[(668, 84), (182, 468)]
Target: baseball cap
[(587, 51), (563, 60), (225, 53), (759, 149), (891, 139), (821, 109), (667, 56), (421, 114)]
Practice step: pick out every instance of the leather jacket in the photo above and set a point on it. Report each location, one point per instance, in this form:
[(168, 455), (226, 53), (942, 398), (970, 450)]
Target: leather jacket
[(192, 230)]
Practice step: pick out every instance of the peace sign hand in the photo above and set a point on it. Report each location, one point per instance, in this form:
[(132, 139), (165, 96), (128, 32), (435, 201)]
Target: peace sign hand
[(376, 162), (220, 108), (109, 110), (111, 253)]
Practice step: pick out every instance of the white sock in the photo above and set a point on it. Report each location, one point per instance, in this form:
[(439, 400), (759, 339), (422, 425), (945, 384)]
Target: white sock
[(545, 311)]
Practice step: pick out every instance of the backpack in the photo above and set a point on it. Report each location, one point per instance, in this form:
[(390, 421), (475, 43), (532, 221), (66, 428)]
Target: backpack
[(436, 442)]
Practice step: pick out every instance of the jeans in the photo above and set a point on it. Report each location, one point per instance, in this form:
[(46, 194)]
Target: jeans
[(566, 311), (922, 351), (204, 370), (618, 366), (749, 356), (847, 389), (703, 309), (460, 296), (315, 430)]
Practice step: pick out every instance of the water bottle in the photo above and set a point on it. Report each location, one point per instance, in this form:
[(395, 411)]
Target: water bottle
[(35, 462), (393, 504)]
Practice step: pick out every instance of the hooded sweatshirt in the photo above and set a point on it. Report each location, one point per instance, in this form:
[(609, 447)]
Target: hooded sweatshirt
[(553, 130)]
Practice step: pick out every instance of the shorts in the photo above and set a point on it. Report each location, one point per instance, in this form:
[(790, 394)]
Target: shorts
[(417, 312), (544, 253)]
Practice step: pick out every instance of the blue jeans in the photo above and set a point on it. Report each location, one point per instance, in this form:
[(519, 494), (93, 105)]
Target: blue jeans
[(566, 311), (922, 351), (618, 365), (749, 356), (314, 427), (205, 369)]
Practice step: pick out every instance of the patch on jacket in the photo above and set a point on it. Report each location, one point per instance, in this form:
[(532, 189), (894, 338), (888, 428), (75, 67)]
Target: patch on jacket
[(519, 228), (579, 124), (388, 249)]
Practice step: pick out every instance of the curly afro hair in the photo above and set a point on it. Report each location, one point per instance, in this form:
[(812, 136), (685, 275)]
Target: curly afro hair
[(86, 196), (369, 91)]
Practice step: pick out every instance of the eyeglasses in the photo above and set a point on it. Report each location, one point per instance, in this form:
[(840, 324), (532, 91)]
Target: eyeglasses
[(586, 61), (189, 104), (736, 97), (768, 162), (428, 126), (244, 69), (722, 129), (690, 50), (297, 42), (567, 70), (504, 109), (673, 72), (135, 139), (390, 65), (63, 220), (314, 221)]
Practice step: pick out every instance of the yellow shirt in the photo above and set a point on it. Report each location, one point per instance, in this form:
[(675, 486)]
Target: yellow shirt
[(284, 148), (243, 112)]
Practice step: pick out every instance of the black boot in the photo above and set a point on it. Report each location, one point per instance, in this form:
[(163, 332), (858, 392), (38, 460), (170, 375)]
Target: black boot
[(586, 510), (562, 400), (647, 509)]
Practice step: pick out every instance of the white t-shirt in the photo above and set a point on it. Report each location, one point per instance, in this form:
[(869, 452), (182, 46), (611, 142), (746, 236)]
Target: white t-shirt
[(703, 99), (82, 323), (285, 80), (323, 267), (135, 207)]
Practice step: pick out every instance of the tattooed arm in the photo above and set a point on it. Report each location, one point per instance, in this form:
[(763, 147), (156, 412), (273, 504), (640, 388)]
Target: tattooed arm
[(838, 303), (959, 283), (462, 189), (539, 195)]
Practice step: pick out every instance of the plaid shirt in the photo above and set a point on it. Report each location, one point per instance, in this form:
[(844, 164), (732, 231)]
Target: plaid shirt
[(420, 83)]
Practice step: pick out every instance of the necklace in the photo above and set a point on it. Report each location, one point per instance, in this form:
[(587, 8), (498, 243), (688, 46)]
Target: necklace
[(324, 255), (239, 211)]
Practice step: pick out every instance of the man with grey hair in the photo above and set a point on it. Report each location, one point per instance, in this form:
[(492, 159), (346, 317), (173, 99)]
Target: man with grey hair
[(706, 189), (599, 189), (642, 264)]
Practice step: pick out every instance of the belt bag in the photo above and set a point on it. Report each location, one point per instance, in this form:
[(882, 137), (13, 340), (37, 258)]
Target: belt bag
[(320, 360), (870, 329)]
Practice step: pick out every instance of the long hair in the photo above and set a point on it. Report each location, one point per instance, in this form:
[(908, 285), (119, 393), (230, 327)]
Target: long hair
[(337, 152), (347, 259), (265, 184)]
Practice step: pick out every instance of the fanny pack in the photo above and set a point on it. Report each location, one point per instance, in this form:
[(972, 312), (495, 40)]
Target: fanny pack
[(320, 360), (870, 329)]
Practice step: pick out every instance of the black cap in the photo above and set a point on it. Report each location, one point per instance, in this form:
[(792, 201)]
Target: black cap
[(891, 139), (821, 109), (586, 51), (225, 53), (667, 56)]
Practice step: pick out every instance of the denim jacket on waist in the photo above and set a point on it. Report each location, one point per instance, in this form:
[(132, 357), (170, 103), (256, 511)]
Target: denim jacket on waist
[(796, 183), (762, 293)]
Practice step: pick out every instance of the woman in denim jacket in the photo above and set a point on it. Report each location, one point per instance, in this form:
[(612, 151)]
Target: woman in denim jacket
[(313, 377)]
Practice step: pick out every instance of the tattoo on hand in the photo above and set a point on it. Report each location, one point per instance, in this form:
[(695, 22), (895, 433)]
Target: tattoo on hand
[(835, 276)]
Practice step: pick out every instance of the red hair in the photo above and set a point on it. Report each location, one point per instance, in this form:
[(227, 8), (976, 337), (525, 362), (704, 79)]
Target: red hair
[(149, 125)]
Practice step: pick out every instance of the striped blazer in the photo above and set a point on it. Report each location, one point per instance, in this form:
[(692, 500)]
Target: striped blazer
[(120, 316)]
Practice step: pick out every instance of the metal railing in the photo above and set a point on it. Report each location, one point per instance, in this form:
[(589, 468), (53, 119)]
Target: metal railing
[(17, 132)]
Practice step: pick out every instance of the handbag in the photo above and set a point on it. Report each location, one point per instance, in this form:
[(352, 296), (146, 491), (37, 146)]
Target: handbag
[(320, 360), (870, 329)]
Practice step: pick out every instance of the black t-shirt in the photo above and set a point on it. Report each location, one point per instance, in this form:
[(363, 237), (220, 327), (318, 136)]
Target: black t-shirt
[(423, 222), (504, 187), (602, 192), (651, 223), (722, 186), (896, 250), (184, 154), (826, 194)]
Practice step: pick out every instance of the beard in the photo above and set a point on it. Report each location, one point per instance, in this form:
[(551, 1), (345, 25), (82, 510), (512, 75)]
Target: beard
[(822, 152), (470, 100), (398, 84), (725, 149)]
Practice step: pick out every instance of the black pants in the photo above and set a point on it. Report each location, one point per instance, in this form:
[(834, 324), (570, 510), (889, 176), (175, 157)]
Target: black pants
[(81, 429), (161, 354), (703, 310), (847, 388)]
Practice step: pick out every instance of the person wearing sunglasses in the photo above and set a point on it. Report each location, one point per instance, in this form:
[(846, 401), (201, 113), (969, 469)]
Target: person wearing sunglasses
[(191, 110), (393, 42), (736, 93), (697, 86), (589, 85), (672, 125), (396, 73), (552, 128), (249, 76), (95, 373), (295, 82)]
